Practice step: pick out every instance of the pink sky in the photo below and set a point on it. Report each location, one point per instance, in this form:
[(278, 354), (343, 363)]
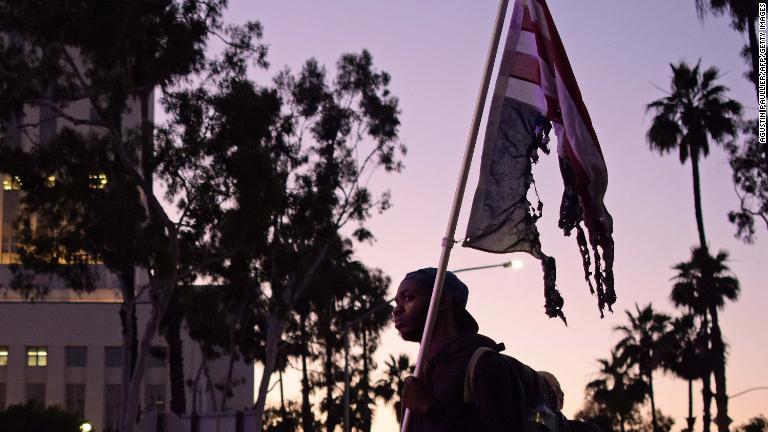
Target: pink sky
[(620, 53)]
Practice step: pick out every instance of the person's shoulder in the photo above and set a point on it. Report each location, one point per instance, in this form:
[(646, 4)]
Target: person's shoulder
[(492, 362), (478, 340)]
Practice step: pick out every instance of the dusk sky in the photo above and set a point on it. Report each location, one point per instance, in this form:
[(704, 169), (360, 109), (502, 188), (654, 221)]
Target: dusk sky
[(620, 52)]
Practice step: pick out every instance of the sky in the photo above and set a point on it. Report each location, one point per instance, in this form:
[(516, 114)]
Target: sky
[(620, 52)]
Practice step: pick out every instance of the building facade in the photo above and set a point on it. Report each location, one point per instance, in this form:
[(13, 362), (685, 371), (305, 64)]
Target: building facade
[(65, 348)]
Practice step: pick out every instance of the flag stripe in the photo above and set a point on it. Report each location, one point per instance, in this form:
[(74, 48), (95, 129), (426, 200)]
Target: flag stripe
[(555, 45), (526, 68), (527, 92)]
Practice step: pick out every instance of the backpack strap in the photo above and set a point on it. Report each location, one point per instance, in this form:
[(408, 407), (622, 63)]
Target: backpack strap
[(469, 377)]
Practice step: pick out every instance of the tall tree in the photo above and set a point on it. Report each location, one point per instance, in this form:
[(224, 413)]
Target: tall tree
[(705, 282), (390, 386), (687, 358), (617, 391), (645, 344), (695, 112), (276, 188)]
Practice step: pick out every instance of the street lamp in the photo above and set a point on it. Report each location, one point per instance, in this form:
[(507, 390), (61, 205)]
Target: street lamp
[(504, 264), (86, 427), (347, 327), (749, 390)]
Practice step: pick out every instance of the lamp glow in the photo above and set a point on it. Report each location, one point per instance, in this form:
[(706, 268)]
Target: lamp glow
[(517, 265), (86, 427)]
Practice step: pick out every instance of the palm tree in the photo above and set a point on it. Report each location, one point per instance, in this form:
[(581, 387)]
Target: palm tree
[(685, 294), (705, 282), (687, 358), (695, 112), (644, 344), (391, 385), (617, 390)]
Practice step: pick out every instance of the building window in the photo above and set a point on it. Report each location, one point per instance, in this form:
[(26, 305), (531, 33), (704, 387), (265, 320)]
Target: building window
[(10, 211), (2, 396), (113, 357), (97, 181), (3, 356), (111, 407), (157, 355), (37, 356), (154, 397), (36, 392), (75, 399), (76, 356)]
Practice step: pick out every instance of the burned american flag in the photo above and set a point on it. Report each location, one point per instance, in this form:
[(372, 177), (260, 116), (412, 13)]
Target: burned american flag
[(535, 91)]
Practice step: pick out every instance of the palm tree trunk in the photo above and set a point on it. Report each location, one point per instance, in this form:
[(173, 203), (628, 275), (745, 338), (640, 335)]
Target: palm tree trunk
[(621, 423), (706, 392), (697, 198), (654, 421), (691, 419), (718, 351), (706, 386)]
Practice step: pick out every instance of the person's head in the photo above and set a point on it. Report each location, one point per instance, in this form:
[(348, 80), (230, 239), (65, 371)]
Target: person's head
[(412, 304), (554, 386)]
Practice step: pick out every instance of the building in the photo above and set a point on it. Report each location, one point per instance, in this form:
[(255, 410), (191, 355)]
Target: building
[(65, 348)]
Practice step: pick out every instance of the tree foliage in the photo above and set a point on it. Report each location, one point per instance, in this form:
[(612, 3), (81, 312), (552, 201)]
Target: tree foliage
[(749, 162), (755, 424), (34, 417)]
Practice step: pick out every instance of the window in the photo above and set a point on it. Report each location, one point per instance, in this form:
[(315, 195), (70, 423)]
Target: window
[(113, 357), (75, 399), (76, 356), (157, 355), (36, 392), (154, 397), (111, 407), (10, 211), (37, 356), (2, 396), (3, 356), (97, 181)]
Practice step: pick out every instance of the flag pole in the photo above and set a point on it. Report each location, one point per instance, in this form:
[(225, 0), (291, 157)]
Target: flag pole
[(448, 241)]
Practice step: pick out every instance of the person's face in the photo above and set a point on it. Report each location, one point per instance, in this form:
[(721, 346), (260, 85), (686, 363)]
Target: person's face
[(411, 306)]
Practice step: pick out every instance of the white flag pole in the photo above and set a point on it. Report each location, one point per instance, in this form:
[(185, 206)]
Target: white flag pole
[(448, 241)]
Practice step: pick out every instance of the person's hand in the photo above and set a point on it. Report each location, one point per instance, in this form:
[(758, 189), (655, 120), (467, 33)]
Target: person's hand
[(417, 395)]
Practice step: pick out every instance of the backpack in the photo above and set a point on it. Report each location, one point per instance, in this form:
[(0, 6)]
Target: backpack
[(540, 410)]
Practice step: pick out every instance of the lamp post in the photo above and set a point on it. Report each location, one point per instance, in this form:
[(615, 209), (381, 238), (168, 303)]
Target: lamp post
[(504, 264), (347, 327), (749, 390)]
